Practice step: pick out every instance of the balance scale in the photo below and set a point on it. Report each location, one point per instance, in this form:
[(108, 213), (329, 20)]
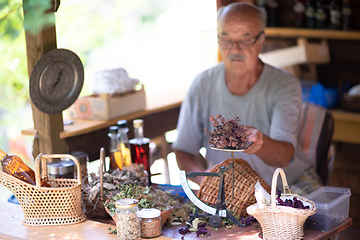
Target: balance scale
[(214, 214)]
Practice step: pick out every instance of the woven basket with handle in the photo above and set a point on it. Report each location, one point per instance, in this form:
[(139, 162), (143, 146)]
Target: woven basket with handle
[(282, 222), (245, 179), (44, 206)]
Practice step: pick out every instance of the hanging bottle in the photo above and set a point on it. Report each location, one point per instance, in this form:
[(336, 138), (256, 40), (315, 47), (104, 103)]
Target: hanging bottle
[(14, 166), (116, 160), (320, 14), (335, 15), (271, 9), (139, 147), (310, 14), (299, 13), (346, 11), (123, 143)]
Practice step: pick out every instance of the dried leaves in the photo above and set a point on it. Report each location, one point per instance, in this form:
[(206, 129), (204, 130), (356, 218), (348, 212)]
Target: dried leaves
[(227, 134)]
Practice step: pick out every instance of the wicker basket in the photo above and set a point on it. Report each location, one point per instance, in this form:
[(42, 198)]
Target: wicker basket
[(42, 206), (245, 179), (282, 222), (350, 103)]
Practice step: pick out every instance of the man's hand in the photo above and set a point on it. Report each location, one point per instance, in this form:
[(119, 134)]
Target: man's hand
[(273, 152), (255, 136)]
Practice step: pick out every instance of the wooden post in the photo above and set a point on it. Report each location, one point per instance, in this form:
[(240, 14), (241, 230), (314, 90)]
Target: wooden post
[(47, 126)]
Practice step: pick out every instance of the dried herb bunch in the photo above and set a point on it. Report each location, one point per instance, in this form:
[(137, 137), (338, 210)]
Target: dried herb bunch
[(227, 134)]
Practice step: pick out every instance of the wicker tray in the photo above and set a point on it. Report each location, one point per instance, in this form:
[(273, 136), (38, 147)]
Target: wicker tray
[(282, 222), (244, 186), (43, 206)]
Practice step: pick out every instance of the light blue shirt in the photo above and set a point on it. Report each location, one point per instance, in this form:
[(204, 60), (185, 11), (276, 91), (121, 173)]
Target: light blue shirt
[(273, 105)]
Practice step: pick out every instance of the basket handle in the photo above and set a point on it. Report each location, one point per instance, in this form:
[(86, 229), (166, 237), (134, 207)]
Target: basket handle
[(274, 183), (101, 172), (46, 156)]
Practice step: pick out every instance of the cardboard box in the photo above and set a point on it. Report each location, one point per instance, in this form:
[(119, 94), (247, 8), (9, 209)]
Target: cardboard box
[(105, 106), (303, 71), (304, 52)]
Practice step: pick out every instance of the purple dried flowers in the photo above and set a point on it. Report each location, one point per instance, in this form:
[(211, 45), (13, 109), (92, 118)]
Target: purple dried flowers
[(248, 220), (201, 231), (295, 203), (227, 134)]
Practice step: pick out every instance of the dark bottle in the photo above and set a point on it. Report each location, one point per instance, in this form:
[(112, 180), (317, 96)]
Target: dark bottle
[(320, 14), (310, 14), (335, 15), (14, 166), (116, 160), (140, 153), (346, 11), (123, 143), (299, 13), (260, 4), (271, 9)]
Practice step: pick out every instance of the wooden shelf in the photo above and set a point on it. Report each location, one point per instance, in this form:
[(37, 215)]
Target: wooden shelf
[(312, 33)]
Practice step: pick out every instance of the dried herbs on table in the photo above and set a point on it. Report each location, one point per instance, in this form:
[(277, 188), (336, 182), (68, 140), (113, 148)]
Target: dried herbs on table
[(112, 179)]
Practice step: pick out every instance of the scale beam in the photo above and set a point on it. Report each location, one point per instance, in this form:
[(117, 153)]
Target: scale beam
[(193, 198)]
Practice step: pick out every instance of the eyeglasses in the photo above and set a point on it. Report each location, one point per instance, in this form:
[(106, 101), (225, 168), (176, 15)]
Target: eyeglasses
[(242, 44)]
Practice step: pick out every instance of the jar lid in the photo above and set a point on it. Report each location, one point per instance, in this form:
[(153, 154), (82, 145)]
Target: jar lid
[(113, 129), (122, 123), (149, 213), (60, 167), (138, 123), (126, 203)]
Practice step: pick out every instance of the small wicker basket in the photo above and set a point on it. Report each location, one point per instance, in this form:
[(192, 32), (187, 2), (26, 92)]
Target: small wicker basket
[(43, 206), (245, 179), (282, 222)]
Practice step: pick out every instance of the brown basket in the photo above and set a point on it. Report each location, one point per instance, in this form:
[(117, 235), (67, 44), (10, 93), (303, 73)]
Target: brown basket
[(282, 222), (43, 206), (351, 103), (245, 179)]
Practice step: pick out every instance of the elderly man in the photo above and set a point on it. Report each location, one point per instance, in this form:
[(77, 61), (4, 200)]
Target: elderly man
[(267, 100)]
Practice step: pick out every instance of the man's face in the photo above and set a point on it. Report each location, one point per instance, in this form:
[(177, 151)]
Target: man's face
[(237, 34)]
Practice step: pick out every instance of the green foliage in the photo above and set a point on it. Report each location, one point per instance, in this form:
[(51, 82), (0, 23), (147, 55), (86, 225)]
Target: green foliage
[(12, 19)]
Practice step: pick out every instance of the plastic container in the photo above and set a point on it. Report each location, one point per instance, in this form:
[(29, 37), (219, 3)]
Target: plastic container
[(332, 205)]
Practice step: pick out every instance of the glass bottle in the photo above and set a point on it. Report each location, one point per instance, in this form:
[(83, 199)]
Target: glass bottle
[(299, 13), (335, 15), (271, 9), (127, 220), (140, 147), (14, 166), (346, 11), (320, 14), (123, 143), (310, 13), (116, 160), (261, 4)]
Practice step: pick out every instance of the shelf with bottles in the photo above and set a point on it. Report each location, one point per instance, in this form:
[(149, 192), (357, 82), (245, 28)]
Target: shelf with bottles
[(311, 33)]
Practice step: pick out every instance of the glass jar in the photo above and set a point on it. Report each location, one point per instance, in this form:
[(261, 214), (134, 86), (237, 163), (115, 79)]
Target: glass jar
[(127, 220), (150, 222), (63, 168)]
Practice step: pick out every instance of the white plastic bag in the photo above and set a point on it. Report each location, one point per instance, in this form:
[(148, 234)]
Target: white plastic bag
[(113, 81)]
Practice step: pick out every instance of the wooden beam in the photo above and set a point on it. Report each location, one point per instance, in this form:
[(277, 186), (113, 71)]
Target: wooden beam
[(48, 126)]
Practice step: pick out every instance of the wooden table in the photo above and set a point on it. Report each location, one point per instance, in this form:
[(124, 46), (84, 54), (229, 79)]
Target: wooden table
[(347, 126), (11, 227)]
